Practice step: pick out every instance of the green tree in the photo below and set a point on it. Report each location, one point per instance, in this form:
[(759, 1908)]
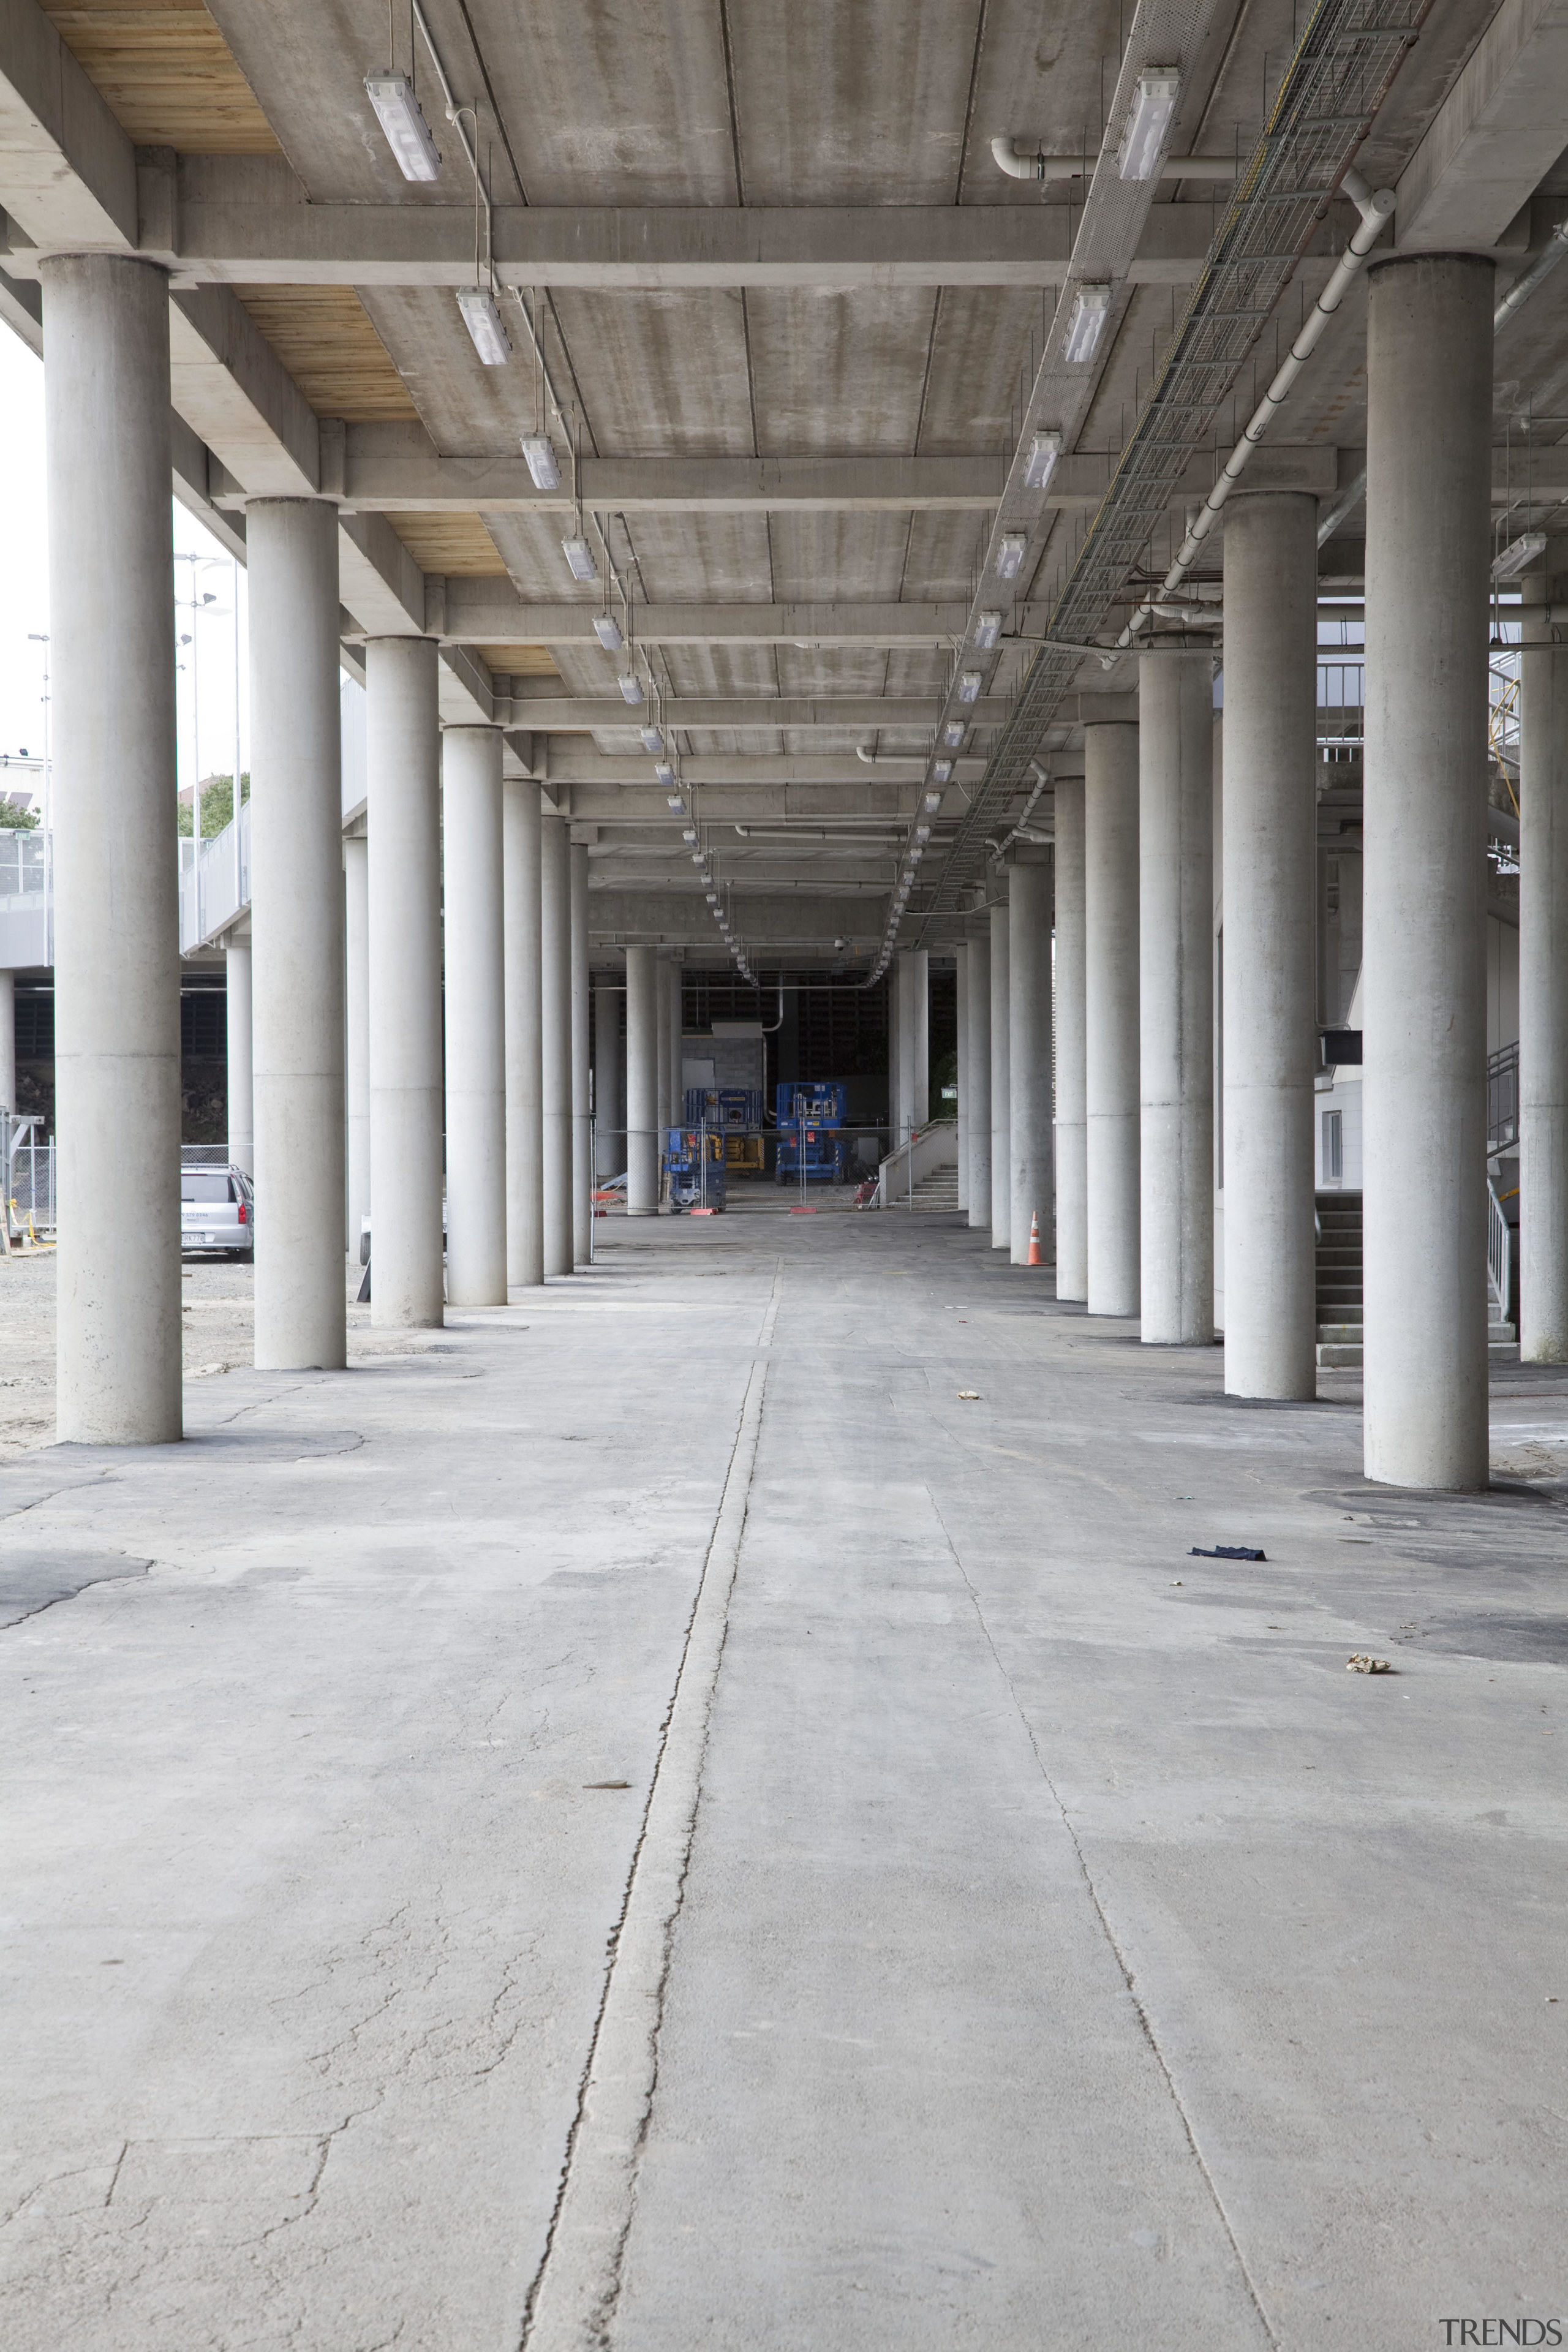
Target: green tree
[(218, 805), (16, 820)]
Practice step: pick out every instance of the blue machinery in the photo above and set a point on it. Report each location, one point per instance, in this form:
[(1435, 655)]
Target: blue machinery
[(738, 1111), (694, 1163), (812, 1146)]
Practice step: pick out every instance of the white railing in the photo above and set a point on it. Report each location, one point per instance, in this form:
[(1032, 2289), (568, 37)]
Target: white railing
[(1499, 1251), (215, 886), (932, 1146), (24, 896)]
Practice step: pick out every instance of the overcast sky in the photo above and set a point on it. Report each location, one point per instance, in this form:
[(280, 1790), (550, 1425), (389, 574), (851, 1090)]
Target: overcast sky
[(206, 679)]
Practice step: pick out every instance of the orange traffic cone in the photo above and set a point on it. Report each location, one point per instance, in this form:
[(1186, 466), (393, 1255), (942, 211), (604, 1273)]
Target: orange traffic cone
[(1035, 1258)]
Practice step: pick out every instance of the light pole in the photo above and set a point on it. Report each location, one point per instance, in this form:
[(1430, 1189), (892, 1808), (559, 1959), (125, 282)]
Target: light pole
[(38, 637)]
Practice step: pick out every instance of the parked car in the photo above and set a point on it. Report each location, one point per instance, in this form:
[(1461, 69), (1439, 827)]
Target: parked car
[(218, 1211)]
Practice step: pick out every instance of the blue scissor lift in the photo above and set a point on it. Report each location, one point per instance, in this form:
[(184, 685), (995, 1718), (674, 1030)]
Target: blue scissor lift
[(812, 1144)]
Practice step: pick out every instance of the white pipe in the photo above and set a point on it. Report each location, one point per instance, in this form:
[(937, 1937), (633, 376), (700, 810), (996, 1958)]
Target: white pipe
[(1519, 292), (1374, 209), (1039, 166)]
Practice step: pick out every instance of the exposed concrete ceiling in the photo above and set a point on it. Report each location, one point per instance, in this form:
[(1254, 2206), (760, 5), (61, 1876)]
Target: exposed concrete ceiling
[(790, 308)]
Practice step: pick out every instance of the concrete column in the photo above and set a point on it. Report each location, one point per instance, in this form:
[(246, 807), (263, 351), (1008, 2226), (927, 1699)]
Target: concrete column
[(117, 965), (555, 966), (1073, 1168), (661, 1021), (643, 999), (914, 1041), (609, 1104), (1543, 981), (1001, 1133), (675, 980), (402, 796), (8, 1043), (1175, 983), (1428, 499), (1110, 1015), (894, 1134), (962, 1075), (977, 1077), (241, 1086), (356, 1031), (1029, 1183), (296, 933), (1271, 963), (919, 1034), (581, 1117), (475, 1017), (522, 918)]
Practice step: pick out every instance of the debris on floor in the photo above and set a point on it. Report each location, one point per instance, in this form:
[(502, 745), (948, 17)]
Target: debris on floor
[(969, 1396), (1226, 1551), (1359, 1663)]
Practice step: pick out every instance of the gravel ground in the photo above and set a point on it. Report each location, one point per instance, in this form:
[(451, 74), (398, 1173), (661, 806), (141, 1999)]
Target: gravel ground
[(219, 1325)]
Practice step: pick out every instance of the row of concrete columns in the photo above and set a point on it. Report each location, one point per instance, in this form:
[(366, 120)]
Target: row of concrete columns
[(335, 1009), (1135, 961)]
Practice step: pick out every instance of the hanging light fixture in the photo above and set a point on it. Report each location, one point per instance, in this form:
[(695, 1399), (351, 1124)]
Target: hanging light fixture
[(1149, 122), (1041, 462), (969, 685), (408, 133), (987, 630), (579, 557), (545, 472), (606, 628), (1086, 324), (1010, 554)]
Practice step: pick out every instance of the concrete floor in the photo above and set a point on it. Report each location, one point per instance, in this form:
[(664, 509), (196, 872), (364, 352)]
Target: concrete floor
[(440, 1900)]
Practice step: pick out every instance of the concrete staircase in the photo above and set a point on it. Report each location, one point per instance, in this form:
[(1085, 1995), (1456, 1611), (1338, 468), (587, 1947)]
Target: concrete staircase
[(1339, 1288), (937, 1190), (1338, 1280)]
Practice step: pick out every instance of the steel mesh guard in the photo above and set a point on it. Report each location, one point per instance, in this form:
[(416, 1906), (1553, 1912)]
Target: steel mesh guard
[(1331, 91)]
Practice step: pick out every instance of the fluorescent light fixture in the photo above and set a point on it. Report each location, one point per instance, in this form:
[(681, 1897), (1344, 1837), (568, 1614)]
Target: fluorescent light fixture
[(544, 470), (1010, 554), (408, 133), (987, 629), (1090, 310), (698, 857), (651, 737), (1518, 553), (606, 628), (712, 897), (665, 774), (1041, 461), (630, 685), (689, 833), (954, 733), (969, 685), (579, 559), (942, 772), (1149, 122), (482, 319), (933, 802), (922, 833)]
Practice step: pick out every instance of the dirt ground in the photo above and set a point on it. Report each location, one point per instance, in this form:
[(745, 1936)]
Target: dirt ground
[(219, 1325)]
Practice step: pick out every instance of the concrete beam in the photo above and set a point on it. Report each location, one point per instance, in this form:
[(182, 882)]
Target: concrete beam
[(810, 805), (229, 384), (563, 714), (398, 470), (572, 759), (246, 219), (810, 917), (491, 612), (1494, 138), (67, 172)]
